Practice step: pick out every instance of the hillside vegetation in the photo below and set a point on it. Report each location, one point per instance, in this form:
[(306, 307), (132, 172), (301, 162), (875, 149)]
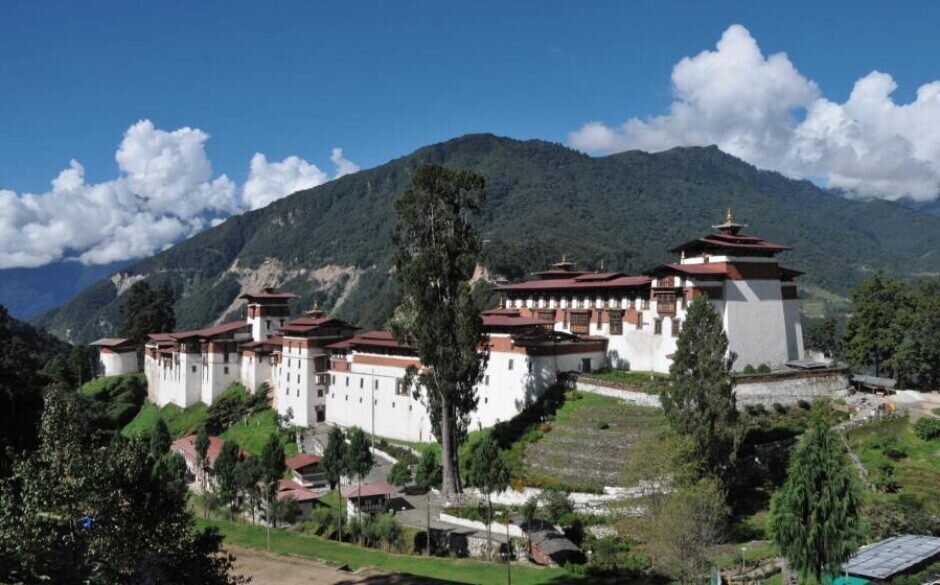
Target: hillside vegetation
[(622, 212)]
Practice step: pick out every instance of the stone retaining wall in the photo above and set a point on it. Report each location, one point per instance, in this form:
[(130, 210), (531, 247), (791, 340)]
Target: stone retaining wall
[(779, 387)]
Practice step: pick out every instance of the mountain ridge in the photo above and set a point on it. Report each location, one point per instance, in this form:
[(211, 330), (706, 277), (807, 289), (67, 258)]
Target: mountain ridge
[(623, 211)]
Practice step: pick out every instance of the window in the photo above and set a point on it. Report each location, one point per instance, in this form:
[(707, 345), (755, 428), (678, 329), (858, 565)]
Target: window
[(362, 382), (510, 365), (666, 303), (298, 393), (268, 323), (194, 369), (486, 380), (657, 326), (375, 384), (486, 400), (319, 393), (639, 321), (332, 379), (400, 387), (615, 318), (225, 370), (675, 327), (586, 365), (347, 381), (546, 315), (360, 400), (529, 365), (645, 304), (393, 404), (599, 317), (580, 323)]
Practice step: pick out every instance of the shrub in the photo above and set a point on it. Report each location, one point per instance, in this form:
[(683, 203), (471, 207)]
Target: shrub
[(755, 409), (763, 369), (545, 427), (602, 426), (894, 450), (927, 428), (804, 404), (400, 474), (779, 408), (555, 504), (749, 369)]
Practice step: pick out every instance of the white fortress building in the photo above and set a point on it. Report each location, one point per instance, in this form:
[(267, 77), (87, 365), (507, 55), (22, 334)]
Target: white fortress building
[(641, 316), (320, 371)]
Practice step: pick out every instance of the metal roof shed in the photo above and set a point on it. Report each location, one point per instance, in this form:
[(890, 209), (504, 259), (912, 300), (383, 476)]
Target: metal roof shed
[(885, 559)]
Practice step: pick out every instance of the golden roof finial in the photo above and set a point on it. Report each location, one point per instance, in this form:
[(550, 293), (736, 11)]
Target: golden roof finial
[(729, 226), (728, 217)]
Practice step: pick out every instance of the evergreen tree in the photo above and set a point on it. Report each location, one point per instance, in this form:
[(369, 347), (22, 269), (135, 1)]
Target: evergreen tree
[(699, 401), (488, 473), (815, 514), (146, 311), (359, 460), (334, 457), (875, 330), (20, 392), (438, 249), (226, 472), (202, 452), (916, 360), (81, 511), (823, 335)]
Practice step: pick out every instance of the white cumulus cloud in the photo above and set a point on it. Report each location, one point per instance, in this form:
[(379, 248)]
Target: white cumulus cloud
[(763, 110), (165, 192)]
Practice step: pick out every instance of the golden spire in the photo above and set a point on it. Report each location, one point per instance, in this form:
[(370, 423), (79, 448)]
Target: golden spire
[(729, 226)]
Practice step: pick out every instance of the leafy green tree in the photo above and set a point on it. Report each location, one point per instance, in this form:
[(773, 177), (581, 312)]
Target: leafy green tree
[(400, 474), (874, 330), (272, 470), (389, 531), (428, 471), (160, 439), (20, 392), (249, 478), (146, 311), (692, 519), (699, 400), (555, 504), (823, 335), (916, 360), (488, 472), (81, 511), (529, 511), (359, 460), (438, 249), (226, 473), (815, 515)]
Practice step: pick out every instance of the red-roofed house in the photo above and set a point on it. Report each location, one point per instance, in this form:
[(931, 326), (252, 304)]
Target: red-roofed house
[(186, 447), (307, 470), (370, 498)]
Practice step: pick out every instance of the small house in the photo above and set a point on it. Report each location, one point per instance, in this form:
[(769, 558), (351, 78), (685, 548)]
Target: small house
[(371, 498), (307, 470), (884, 560), (116, 356), (552, 548), (306, 499)]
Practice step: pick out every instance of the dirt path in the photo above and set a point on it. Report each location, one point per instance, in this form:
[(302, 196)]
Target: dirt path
[(272, 569)]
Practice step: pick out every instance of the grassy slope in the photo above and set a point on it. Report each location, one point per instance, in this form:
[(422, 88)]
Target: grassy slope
[(181, 422), (253, 432), (454, 570), (106, 383), (917, 474)]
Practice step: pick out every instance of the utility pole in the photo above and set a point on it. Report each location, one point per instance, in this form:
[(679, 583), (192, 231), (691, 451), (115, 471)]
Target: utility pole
[(429, 520), (373, 410), (508, 554)]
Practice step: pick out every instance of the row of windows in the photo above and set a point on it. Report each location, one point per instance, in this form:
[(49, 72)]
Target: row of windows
[(578, 303), (375, 402)]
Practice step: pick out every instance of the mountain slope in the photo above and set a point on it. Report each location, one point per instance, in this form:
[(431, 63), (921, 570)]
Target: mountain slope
[(27, 292), (624, 211)]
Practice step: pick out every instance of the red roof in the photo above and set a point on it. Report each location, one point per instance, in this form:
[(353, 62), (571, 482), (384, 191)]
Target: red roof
[(376, 338), (692, 269), (574, 283), (594, 276), (512, 321), (187, 448), (731, 242), (230, 327), (287, 488), (300, 461), (379, 488), (158, 337)]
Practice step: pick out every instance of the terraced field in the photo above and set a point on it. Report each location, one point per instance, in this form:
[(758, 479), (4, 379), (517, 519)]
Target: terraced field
[(589, 442)]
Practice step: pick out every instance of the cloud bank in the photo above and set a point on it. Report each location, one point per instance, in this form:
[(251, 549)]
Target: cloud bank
[(165, 192), (763, 110)]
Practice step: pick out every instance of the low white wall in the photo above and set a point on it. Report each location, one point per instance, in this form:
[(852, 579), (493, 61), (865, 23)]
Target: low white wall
[(495, 527), (628, 396)]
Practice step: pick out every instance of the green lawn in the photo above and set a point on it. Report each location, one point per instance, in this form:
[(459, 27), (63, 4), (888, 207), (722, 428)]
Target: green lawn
[(181, 422), (917, 473), (630, 377), (454, 570), (253, 432)]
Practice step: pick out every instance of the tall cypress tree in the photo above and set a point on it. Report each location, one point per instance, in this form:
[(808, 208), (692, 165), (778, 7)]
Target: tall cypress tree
[(875, 330), (699, 401), (814, 516), (438, 251)]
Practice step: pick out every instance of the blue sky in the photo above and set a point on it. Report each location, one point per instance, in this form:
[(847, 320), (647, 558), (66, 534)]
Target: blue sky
[(379, 79)]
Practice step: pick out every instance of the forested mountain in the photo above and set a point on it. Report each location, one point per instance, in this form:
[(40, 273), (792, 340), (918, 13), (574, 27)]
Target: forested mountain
[(624, 211), (27, 292)]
